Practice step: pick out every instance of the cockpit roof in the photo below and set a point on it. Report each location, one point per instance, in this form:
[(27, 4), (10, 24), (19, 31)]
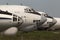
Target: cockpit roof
[(16, 9), (11, 8)]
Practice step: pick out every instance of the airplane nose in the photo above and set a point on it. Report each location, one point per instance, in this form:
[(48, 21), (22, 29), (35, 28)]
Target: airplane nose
[(37, 13), (51, 24), (42, 21)]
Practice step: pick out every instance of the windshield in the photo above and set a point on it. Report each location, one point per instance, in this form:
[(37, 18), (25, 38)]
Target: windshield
[(45, 15), (29, 10), (32, 11), (50, 17), (5, 12)]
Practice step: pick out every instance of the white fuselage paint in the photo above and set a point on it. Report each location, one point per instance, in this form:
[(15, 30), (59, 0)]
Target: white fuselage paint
[(19, 12), (55, 26), (45, 24)]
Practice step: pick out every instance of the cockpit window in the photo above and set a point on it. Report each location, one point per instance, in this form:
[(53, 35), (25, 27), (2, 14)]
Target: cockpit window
[(27, 10), (30, 10), (5, 12), (14, 18), (45, 15), (50, 17)]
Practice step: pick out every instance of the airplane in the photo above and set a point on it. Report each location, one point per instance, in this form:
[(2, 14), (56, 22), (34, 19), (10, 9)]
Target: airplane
[(14, 18), (52, 23)]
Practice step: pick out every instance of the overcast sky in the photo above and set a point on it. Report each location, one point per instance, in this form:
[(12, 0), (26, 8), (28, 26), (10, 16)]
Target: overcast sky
[(51, 7)]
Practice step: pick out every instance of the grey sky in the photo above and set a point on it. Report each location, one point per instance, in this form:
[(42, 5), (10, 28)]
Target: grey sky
[(52, 7)]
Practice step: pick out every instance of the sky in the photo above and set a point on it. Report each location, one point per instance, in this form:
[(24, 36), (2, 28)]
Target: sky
[(51, 7)]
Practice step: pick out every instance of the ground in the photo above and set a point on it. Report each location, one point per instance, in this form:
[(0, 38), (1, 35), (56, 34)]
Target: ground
[(36, 35)]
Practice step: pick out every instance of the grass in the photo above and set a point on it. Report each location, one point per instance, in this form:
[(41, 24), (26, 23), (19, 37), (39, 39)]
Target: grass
[(36, 35)]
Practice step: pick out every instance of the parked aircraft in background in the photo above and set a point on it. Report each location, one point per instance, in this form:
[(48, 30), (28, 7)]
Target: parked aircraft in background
[(52, 23)]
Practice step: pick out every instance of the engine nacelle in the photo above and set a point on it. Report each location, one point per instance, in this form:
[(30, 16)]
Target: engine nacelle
[(10, 31)]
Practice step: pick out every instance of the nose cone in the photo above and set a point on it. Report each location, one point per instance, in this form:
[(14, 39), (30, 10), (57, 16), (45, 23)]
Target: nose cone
[(57, 25), (58, 20)]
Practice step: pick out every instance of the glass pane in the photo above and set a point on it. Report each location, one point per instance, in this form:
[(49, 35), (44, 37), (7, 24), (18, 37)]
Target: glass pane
[(14, 19)]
